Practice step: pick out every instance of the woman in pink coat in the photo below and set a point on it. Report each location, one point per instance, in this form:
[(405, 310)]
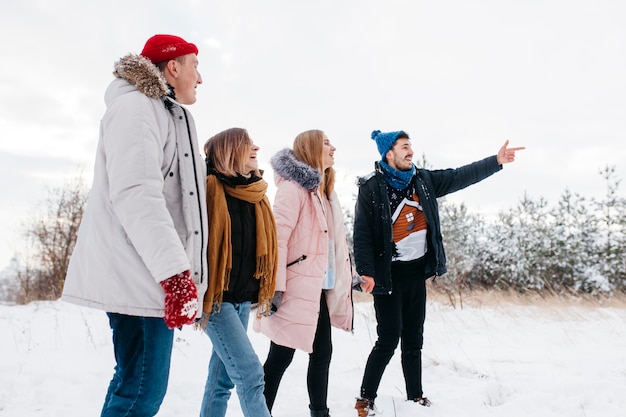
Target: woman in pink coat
[(313, 283)]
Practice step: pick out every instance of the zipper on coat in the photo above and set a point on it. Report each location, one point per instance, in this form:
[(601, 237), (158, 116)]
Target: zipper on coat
[(195, 171), (297, 261)]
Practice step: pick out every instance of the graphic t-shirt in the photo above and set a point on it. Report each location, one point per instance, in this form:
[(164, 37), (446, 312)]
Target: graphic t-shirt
[(408, 224)]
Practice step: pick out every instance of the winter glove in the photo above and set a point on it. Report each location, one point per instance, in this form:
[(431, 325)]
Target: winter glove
[(277, 301), (181, 300)]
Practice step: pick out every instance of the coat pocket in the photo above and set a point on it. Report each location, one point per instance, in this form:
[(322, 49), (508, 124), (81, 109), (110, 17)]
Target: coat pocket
[(297, 261)]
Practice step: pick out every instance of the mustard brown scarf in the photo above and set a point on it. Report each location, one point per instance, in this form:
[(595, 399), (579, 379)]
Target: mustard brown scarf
[(220, 249)]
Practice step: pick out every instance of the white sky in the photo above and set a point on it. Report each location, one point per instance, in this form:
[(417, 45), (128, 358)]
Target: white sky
[(460, 77), (544, 359)]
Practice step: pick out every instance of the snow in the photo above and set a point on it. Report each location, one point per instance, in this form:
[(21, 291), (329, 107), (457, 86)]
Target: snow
[(487, 359)]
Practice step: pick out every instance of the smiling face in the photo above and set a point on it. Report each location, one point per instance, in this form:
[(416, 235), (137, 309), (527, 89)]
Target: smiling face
[(400, 156), (252, 163), (328, 156), (232, 152), (182, 74)]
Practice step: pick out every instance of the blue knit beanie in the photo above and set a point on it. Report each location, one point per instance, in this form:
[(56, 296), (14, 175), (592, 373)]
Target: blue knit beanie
[(384, 141)]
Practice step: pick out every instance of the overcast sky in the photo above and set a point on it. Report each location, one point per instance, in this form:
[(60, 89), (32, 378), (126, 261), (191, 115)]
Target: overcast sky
[(459, 76)]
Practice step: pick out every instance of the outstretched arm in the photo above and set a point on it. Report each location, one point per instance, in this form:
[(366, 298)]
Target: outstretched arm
[(506, 155)]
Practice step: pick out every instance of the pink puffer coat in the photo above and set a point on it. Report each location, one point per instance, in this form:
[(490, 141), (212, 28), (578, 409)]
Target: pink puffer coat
[(302, 258)]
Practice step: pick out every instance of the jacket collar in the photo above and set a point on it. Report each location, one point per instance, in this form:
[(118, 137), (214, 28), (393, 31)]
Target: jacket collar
[(285, 165)]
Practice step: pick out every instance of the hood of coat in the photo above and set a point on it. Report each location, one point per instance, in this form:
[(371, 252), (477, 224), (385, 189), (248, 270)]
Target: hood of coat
[(285, 165), (143, 74)]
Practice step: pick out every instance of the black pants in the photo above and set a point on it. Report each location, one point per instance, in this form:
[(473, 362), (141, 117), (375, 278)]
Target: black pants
[(399, 316), (279, 358)]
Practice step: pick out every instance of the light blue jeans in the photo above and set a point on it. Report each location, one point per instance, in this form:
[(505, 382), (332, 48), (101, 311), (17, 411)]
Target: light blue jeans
[(234, 363)]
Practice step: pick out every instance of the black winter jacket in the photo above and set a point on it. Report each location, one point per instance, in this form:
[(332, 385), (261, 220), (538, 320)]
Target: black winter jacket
[(373, 243), (243, 286)]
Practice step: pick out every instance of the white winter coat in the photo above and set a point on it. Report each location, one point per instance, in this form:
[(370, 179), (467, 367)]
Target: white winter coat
[(145, 218)]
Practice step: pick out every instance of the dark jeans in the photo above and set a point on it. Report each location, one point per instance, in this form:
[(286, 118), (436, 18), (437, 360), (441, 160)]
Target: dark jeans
[(279, 358), (399, 316), (143, 349)]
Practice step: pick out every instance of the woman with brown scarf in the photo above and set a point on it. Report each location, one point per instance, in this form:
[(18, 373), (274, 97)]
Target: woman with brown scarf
[(242, 257)]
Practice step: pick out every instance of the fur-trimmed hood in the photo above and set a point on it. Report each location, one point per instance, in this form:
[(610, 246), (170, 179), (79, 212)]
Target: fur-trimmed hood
[(285, 165), (143, 74)]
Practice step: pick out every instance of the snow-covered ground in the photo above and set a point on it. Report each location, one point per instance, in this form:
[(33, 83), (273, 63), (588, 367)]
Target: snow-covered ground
[(490, 359)]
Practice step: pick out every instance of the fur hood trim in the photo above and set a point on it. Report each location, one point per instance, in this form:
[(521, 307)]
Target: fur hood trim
[(288, 167), (143, 74)]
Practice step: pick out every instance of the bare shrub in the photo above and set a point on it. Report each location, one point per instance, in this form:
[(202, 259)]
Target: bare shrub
[(50, 238)]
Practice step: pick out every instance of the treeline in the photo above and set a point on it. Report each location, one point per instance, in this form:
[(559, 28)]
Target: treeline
[(577, 246)]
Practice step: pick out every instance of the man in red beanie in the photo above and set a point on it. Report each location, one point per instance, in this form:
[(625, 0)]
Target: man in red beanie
[(141, 249)]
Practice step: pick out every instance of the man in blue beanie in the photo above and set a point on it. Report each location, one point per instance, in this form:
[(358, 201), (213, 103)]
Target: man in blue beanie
[(398, 245)]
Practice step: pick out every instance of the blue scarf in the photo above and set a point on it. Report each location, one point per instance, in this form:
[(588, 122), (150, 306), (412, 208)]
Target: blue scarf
[(399, 180)]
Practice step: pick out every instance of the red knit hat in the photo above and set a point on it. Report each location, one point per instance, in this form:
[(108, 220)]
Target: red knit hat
[(161, 48)]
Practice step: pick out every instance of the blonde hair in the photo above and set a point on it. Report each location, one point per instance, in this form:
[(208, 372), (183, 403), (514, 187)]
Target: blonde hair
[(227, 152), (308, 147)]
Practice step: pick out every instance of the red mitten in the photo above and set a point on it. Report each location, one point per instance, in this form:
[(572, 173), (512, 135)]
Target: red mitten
[(181, 300)]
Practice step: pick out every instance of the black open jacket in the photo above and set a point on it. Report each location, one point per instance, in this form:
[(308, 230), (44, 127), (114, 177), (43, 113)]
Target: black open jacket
[(243, 286), (373, 243)]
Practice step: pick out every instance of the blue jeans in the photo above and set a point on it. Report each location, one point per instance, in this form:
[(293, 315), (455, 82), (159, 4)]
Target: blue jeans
[(233, 363), (143, 349)]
